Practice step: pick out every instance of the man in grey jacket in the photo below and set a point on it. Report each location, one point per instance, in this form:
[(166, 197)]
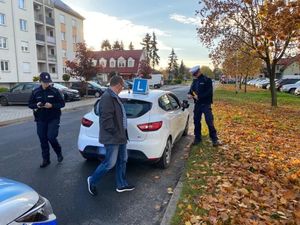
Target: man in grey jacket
[(113, 134)]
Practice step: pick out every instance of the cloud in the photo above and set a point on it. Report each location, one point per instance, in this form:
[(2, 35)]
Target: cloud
[(184, 19), (99, 26)]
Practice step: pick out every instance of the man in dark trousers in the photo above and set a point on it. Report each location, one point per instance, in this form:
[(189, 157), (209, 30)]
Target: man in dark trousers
[(202, 92), (46, 102), (113, 134)]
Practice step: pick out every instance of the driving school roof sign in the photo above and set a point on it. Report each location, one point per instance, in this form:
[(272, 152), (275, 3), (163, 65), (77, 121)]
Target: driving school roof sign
[(140, 86)]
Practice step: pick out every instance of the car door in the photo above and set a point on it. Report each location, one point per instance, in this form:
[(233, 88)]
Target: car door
[(26, 92), (15, 94), (179, 123)]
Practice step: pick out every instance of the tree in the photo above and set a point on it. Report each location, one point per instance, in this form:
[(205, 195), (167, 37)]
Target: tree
[(217, 73), (173, 65), (121, 46), (270, 28), (117, 46), (145, 69), (153, 52), (82, 67), (146, 43), (207, 71), (131, 47), (105, 45), (66, 77), (35, 78)]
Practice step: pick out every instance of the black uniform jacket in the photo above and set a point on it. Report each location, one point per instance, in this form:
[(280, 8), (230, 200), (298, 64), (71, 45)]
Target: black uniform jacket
[(50, 95), (202, 87)]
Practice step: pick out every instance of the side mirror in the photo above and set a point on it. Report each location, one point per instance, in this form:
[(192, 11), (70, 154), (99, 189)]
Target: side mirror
[(185, 104)]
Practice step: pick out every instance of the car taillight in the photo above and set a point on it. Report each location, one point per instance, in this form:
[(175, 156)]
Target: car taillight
[(150, 126), (86, 122)]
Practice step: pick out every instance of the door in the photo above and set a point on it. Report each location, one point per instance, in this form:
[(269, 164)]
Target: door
[(26, 92), (16, 94)]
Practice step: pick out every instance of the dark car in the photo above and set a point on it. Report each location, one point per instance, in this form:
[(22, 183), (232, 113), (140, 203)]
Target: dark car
[(282, 82), (68, 93), (90, 87), (19, 94)]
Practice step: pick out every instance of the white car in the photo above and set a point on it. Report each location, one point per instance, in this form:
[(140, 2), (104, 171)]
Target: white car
[(297, 91), (155, 122), (20, 204), (290, 88)]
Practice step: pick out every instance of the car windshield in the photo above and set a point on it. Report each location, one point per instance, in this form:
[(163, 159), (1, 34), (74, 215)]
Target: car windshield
[(59, 86), (134, 108), (94, 84)]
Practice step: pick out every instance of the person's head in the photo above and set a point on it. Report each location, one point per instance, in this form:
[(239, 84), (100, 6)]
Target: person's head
[(45, 79), (116, 83), (195, 71)]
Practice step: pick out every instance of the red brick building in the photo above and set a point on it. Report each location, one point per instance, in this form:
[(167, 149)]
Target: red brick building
[(123, 62)]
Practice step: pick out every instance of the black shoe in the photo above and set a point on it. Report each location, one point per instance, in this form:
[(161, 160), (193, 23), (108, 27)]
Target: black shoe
[(216, 143), (60, 158), (45, 163), (126, 188), (92, 189), (196, 142)]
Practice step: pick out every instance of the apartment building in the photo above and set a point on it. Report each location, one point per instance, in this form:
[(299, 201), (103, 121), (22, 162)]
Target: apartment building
[(35, 38)]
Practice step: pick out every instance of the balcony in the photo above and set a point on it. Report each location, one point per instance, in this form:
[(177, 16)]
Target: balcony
[(49, 3), (52, 58), (51, 40), (39, 1), (41, 56), (40, 37), (39, 18), (50, 21)]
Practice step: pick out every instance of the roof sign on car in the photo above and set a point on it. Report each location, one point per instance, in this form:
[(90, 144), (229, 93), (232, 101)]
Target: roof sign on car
[(140, 86)]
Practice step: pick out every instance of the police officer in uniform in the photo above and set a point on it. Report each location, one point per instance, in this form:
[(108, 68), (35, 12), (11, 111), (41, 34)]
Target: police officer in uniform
[(202, 92), (46, 102)]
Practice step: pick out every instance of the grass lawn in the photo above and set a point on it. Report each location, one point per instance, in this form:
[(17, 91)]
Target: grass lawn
[(254, 177)]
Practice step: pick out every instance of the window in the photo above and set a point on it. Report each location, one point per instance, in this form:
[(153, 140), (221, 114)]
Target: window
[(74, 39), (53, 69), (62, 18), (3, 42), (74, 23), (52, 51), (174, 101), (65, 70), (121, 62), (22, 4), (64, 53), (26, 67), (165, 103), (24, 46), (30, 87), (63, 36), (130, 63), (112, 63), (4, 65), (17, 88), (23, 25), (2, 19), (51, 33)]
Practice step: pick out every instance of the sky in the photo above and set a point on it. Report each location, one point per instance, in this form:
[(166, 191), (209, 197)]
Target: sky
[(173, 21)]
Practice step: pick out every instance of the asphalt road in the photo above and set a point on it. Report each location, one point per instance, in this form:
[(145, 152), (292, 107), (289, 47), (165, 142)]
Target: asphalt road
[(65, 184)]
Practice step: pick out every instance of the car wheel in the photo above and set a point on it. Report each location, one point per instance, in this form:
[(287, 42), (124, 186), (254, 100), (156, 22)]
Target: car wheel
[(88, 158), (186, 129), (66, 98), (292, 91), (165, 159), (3, 101), (97, 94)]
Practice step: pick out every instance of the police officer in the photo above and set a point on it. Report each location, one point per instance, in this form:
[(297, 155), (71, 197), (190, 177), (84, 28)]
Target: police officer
[(202, 92), (46, 102)]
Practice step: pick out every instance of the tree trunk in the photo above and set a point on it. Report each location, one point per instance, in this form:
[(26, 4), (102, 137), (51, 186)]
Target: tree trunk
[(245, 88), (271, 72), (236, 84), (240, 83)]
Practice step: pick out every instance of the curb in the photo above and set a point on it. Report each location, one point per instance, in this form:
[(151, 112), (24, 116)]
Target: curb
[(27, 118)]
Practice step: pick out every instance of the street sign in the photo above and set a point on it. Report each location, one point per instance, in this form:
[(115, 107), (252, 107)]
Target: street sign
[(140, 86)]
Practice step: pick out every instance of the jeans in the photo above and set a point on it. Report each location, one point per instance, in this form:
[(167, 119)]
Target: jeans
[(48, 132), (206, 110), (115, 155)]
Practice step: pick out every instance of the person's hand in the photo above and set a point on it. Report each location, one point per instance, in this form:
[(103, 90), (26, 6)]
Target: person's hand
[(48, 105), (39, 105), (189, 96)]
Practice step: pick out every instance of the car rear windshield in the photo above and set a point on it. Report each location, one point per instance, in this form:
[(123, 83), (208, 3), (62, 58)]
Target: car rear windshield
[(134, 108)]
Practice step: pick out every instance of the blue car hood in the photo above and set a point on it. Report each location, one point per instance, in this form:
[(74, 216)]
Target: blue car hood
[(15, 199)]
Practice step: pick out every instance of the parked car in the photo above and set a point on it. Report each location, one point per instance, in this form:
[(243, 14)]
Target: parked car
[(92, 88), (128, 84), (290, 88), (155, 122), (20, 204), (285, 81), (19, 94), (68, 93), (297, 91)]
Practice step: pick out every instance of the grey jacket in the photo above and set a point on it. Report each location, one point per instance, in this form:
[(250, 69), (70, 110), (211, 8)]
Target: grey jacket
[(112, 130)]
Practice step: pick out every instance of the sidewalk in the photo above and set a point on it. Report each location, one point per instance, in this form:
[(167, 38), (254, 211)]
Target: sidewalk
[(13, 114)]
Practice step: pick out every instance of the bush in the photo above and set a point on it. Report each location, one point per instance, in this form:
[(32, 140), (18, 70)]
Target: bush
[(35, 78), (66, 77), (3, 89), (177, 81)]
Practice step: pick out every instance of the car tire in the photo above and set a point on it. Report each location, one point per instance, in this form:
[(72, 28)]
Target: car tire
[(97, 94), (165, 159), (186, 129), (292, 91), (88, 158), (3, 101), (66, 98)]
